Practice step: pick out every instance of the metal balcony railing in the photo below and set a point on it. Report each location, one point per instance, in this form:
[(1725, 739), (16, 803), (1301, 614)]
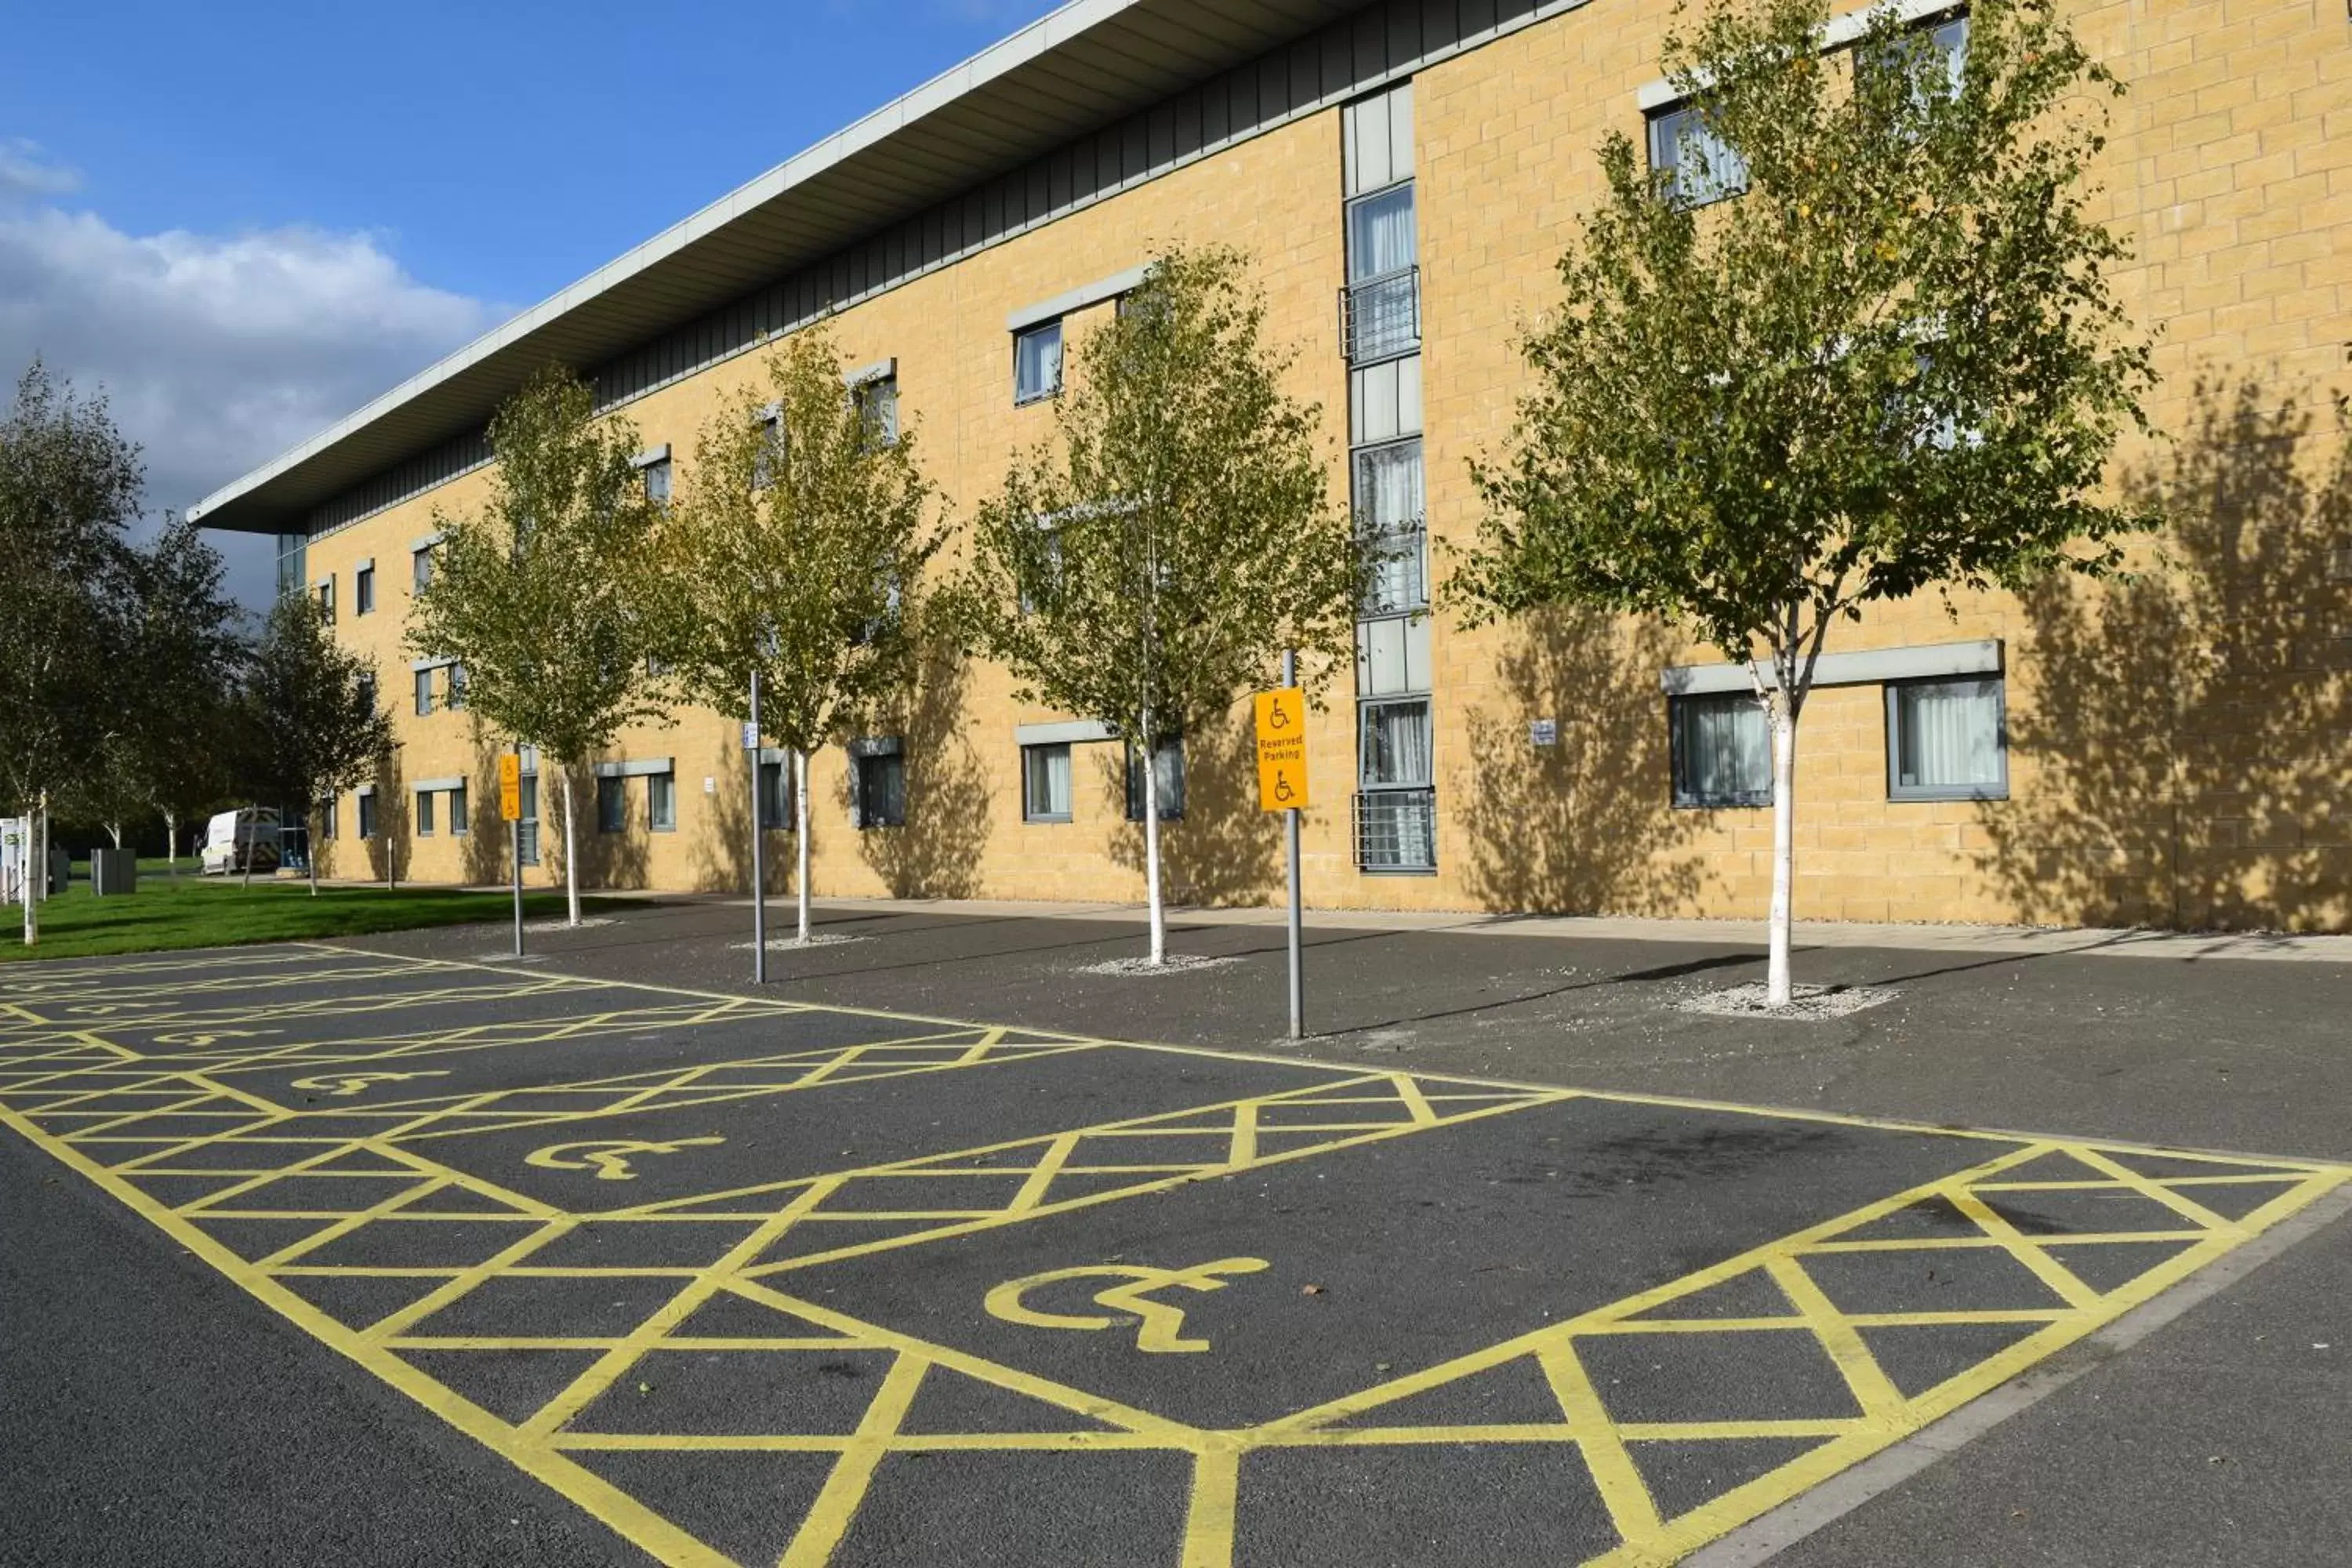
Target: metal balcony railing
[(1380, 318), (1396, 830)]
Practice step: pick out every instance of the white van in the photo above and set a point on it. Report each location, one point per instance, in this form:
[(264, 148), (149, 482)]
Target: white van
[(234, 838)]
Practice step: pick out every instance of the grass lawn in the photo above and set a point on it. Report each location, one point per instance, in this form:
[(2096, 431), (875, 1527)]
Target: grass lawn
[(79, 924)]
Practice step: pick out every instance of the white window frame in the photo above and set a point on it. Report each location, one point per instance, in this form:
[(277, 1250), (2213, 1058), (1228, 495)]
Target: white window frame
[(1024, 397)]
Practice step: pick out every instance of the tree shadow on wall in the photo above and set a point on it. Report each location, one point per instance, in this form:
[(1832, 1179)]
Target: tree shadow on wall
[(388, 847), (1583, 826), (2189, 727), (1223, 850), (722, 849), (620, 859), (487, 853), (937, 854)]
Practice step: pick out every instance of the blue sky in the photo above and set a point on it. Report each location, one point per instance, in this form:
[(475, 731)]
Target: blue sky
[(244, 221)]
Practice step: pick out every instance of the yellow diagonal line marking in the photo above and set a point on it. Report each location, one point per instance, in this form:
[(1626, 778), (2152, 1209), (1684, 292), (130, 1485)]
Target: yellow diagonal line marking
[(607, 1368), (2046, 1268), (1209, 1515), (2179, 1204), (1414, 1100), (1872, 1389), (845, 1490), (465, 1281), (1040, 1176), (343, 1228), (1622, 1491)]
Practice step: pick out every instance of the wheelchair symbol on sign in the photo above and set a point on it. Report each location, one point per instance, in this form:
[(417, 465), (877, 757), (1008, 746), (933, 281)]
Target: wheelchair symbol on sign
[(609, 1158), (1131, 1302)]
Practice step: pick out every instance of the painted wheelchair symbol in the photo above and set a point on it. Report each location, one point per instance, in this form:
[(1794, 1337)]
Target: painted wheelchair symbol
[(1161, 1324), (609, 1158)]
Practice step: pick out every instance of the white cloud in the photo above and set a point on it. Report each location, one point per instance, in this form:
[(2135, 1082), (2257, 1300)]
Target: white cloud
[(25, 171), (216, 352)]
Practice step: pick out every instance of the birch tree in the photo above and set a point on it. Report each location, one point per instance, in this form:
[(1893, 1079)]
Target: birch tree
[(1858, 341), (309, 707), (544, 592), (796, 548), (1146, 566), (69, 488)]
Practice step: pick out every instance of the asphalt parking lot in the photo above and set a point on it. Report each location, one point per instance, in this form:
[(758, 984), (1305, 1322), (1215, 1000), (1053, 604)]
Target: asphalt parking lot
[(627, 1270)]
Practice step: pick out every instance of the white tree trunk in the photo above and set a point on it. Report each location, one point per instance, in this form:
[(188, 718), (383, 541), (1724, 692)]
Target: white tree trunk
[(114, 831), (1159, 917), (45, 846), (172, 845), (571, 852), (32, 899), (801, 838), (1784, 848), (242, 838), (310, 857)]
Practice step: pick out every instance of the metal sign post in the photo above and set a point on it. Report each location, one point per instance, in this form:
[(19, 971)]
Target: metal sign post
[(759, 844), (1282, 786), (510, 808)]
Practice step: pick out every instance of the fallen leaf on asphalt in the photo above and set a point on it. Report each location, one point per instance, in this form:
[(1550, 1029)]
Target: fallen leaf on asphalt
[(1310, 1291)]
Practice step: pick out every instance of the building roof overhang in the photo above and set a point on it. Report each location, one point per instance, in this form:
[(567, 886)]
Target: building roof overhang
[(1063, 75)]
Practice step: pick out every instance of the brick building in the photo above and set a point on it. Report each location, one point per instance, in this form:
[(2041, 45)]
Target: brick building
[(2174, 750)]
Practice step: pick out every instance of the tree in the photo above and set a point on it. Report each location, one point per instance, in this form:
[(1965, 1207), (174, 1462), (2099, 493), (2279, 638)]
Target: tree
[(543, 593), (1148, 566), (69, 486), (1889, 361), (796, 550), (309, 707), (178, 632)]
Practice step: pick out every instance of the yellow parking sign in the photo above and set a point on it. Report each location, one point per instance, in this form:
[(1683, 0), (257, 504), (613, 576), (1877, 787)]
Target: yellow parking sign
[(510, 788), (1282, 750)]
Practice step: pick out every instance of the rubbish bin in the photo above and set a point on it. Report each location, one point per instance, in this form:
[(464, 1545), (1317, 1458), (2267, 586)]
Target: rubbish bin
[(60, 870), (113, 871)]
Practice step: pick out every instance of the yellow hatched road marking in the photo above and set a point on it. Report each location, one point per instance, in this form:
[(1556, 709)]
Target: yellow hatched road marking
[(1240, 1133)]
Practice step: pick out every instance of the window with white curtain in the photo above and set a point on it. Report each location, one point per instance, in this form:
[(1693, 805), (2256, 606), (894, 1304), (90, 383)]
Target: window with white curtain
[(1390, 507), (1383, 304), (1045, 782), (1945, 739), (1700, 165), (661, 802), (1037, 363), (1392, 749), (1722, 750)]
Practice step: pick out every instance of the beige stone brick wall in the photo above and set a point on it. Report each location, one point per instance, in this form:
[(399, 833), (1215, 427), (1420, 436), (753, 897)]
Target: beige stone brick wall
[(2136, 792)]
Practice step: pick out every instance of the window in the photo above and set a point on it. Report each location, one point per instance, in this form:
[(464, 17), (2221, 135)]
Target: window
[(881, 791), (1945, 739), (327, 819), (457, 822), (1171, 782), (878, 408), (1722, 750), (775, 795), (456, 698), (1048, 567), (423, 692), (1382, 304), (367, 816), (770, 460), (367, 697), (1045, 783), (656, 475), (363, 591), (424, 814), (661, 802), (1700, 166), (1037, 363), (612, 804), (1946, 42), (421, 567), (327, 600), (1389, 514), (1393, 752)]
